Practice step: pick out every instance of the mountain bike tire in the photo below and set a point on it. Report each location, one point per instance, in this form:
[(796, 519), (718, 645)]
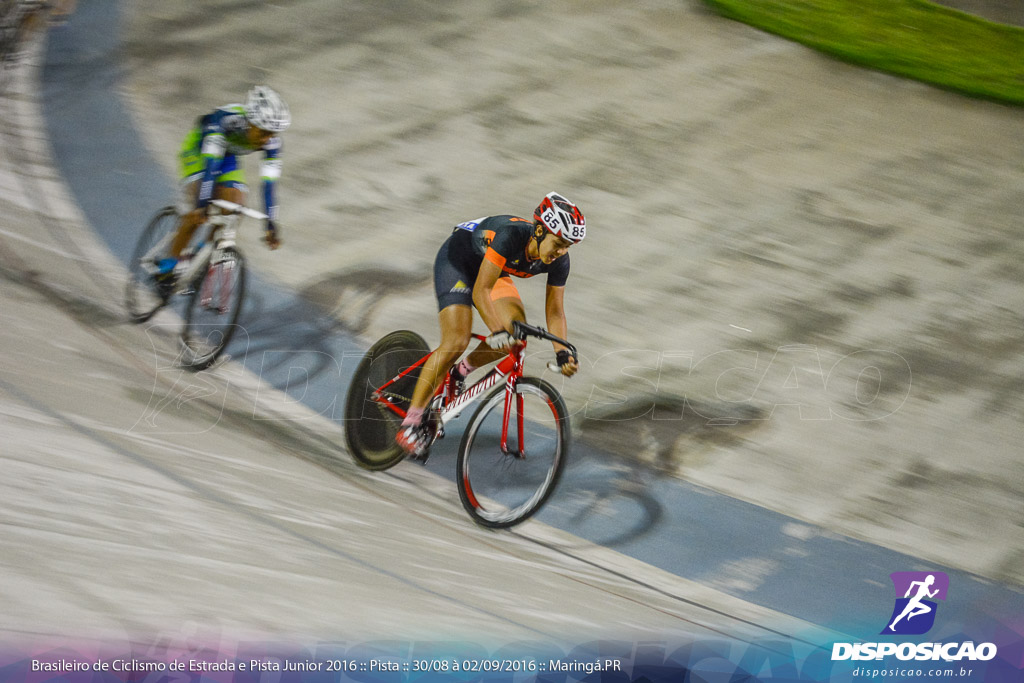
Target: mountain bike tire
[(370, 427), (500, 489)]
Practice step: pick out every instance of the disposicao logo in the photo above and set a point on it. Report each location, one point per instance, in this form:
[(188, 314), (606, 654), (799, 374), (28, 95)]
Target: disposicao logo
[(912, 615), (914, 612)]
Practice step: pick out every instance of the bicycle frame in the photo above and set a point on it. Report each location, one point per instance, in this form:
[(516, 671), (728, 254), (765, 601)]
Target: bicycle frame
[(206, 293), (509, 368), (222, 233)]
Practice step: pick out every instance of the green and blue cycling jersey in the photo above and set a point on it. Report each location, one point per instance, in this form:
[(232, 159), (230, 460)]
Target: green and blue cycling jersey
[(210, 154)]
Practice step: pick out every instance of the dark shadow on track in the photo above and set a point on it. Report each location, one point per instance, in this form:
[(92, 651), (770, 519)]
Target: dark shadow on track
[(630, 447), (352, 297)]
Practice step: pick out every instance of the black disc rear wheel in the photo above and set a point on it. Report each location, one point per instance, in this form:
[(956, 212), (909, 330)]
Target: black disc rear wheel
[(370, 426)]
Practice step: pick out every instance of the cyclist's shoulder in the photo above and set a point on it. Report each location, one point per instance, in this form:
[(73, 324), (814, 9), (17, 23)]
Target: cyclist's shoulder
[(503, 232), (508, 228), (229, 118), (505, 221)]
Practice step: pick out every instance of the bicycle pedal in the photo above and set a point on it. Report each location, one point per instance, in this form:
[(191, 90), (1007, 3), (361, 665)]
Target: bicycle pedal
[(164, 289)]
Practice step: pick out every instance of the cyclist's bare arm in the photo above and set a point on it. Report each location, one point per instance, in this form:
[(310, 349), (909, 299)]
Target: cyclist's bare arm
[(196, 217), (485, 281), (270, 172), (554, 313)]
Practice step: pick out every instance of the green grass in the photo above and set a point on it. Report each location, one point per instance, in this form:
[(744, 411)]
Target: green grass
[(911, 38)]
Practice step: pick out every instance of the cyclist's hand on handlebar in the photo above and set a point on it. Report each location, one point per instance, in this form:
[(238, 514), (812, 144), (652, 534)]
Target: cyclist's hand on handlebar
[(270, 235), (502, 341), (567, 365)]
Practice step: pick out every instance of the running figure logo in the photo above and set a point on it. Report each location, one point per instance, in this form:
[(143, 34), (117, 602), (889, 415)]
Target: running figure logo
[(914, 613)]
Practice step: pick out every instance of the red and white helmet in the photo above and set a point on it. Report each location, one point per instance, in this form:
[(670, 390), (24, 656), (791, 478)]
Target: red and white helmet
[(561, 217)]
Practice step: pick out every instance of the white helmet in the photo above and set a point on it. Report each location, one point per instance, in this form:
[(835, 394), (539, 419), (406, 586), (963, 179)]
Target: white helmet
[(265, 109), (562, 217)]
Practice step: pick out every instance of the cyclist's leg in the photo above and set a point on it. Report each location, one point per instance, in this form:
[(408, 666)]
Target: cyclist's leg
[(31, 19), (456, 326), (191, 162), (231, 190), (62, 9), (509, 306), (190, 220), (230, 185), (452, 286)]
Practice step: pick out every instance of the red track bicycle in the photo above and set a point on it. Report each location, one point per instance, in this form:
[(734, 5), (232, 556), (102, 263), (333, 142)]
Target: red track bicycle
[(514, 448)]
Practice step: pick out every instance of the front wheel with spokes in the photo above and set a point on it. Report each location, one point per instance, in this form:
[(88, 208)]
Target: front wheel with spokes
[(510, 460), (211, 316)]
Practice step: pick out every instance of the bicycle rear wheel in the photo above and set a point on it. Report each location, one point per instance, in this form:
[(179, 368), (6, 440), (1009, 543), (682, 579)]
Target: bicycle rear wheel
[(211, 316), (143, 297), (370, 427), (501, 488)]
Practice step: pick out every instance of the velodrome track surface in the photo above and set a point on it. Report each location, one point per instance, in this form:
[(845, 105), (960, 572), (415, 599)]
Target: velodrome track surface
[(140, 502), (823, 260), (130, 509)]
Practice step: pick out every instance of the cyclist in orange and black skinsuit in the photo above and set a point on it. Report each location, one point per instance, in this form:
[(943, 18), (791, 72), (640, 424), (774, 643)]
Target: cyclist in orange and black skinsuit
[(473, 269), (503, 240)]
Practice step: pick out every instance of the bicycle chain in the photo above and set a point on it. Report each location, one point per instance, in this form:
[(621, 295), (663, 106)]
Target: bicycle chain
[(392, 396)]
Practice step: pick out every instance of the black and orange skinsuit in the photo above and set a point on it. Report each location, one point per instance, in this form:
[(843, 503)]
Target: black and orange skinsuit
[(503, 241)]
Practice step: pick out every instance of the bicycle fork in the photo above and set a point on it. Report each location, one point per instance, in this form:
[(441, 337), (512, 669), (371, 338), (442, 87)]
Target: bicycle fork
[(211, 287), (222, 235), (510, 393)]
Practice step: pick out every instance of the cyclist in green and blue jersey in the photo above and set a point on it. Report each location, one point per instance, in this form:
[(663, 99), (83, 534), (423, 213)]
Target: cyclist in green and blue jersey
[(210, 167)]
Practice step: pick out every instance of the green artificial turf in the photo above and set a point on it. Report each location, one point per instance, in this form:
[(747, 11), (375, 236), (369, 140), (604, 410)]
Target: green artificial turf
[(912, 38)]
